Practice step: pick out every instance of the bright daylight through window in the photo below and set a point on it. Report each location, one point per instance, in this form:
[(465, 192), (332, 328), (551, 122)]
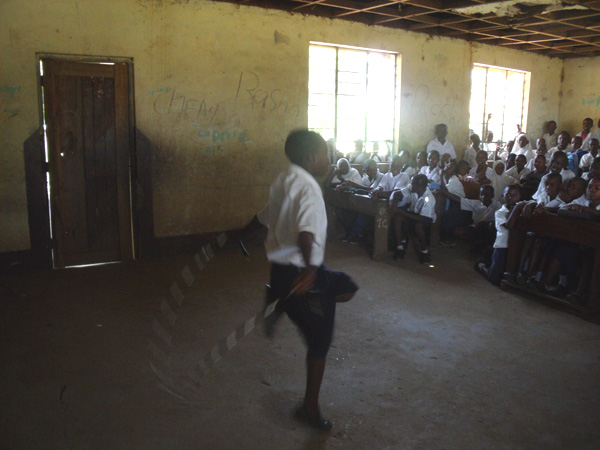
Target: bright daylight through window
[(353, 96)]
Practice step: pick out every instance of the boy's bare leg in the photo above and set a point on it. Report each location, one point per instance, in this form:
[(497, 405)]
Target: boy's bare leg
[(398, 220), (315, 368), (420, 232)]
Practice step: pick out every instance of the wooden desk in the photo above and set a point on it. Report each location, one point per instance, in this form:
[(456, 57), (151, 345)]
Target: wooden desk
[(578, 231), (363, 204)]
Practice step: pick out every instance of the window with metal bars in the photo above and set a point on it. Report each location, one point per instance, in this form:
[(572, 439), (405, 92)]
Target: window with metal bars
[(499, 102), (353, 95)]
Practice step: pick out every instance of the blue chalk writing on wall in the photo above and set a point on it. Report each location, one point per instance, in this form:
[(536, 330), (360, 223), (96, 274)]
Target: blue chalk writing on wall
[(274, 100), (220, 138), (591, 101), (10, 91)]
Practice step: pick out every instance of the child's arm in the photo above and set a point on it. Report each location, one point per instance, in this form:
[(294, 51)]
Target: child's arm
[(306, 278), (447, 193), (514, 215), (581, 208)]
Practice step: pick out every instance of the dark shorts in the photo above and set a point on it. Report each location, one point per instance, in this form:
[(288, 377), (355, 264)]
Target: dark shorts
[(313, 313)]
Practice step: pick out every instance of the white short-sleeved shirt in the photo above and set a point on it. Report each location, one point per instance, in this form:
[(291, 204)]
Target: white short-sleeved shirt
[(352, 175), (501, 231), (586, 161), (553, 150), (489, 173), (469, 156), (580, 201), (455, 187), (444, 148), (390, 182), (409, 170), (481, 213), (548, 202), (513, 172), (551, 139), (531, 164), (423, 206), (372, 184), (434, 174), (585, 145), (295, 205)]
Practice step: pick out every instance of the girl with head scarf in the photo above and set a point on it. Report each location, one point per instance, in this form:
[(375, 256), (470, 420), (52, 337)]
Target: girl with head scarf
[(499, 179), (343, 172), (523, 147)]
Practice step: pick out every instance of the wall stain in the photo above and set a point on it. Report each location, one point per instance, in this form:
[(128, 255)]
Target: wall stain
[(281, 38)]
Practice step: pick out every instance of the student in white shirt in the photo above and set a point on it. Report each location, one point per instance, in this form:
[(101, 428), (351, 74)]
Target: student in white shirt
[(470, 153), (519, 171), (392, 180), (305, 289), (413, 208), (405, 164), (588, 158), (499, 180), (564, 144), (594, 170), (586, 133), (483, 213), (370, 180), (432, 170), (551, 137), (344, 172), (558, 165), (482, 173), (441, 144), (541, 149), (505, 220)]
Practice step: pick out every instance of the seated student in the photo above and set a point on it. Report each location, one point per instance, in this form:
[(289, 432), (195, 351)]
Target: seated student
[(573, 155), (432, 170), (463, 171), (481, 230), (551, 136), (471, 152), (594, 170), (446, 205), (370, 180), (393, 180), (567, 256), (511, 161), (405, 164), (499, 180), (441, 144), (558, 165), (588, 158), (586, 133), (343, 172), (523, 147), (359, 155), (507, 150), (564, 144), (519, 171), (482, 173), (421, 160), (541, 149), (505, 219), (532, 180), (413, 208)]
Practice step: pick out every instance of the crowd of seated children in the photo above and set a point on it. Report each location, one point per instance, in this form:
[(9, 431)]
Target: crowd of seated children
[(559, 166), (393, 180), (588, 158), (370, 179), (519, 171), (413, 208), (505, 218), (441, 144)]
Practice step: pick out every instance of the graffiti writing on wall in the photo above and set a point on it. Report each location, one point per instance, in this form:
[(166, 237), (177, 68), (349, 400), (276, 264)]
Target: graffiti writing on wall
[(219, 139), (591, 101), (169, 102), (274, 100), (10, 91)]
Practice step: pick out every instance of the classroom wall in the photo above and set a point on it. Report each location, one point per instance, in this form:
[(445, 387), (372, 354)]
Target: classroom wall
[(217, 88), (580, 93)]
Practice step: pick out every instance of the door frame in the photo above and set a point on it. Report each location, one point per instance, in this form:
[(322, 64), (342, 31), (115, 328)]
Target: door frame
[(131, 128)]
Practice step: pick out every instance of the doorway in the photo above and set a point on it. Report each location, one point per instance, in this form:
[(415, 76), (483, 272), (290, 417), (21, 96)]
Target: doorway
[(88, 144)]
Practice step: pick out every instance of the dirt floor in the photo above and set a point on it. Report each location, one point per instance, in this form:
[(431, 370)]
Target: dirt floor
[(169, 353)]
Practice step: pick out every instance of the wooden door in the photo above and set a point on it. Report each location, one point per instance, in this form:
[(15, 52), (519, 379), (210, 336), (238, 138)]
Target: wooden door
[(88, 135)]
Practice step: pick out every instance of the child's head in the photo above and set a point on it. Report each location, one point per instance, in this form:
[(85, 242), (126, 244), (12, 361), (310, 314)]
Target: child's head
[(551, 127), (359, 146), (481, 157), (523, 141), (486, 194), (520, 162), (396, 165), (540, 164), (370, 168), (563, 140), (343, 166), (475, 140), (421, 159), (587, 125), (593, 191), (441, 131), (308, 150), (433, 159), (463, 168), (511, 160), (540, 145), (419, 184), (499, 167), (509, 145), (559, 162), (593, 146), (576, 142), (451, 169), (404, 157), (553, 183), (575, 188), (512, 195), (594, 168)]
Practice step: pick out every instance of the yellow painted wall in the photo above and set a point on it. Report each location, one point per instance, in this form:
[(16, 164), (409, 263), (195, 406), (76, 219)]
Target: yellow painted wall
[(218, 87), (580, 93)]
